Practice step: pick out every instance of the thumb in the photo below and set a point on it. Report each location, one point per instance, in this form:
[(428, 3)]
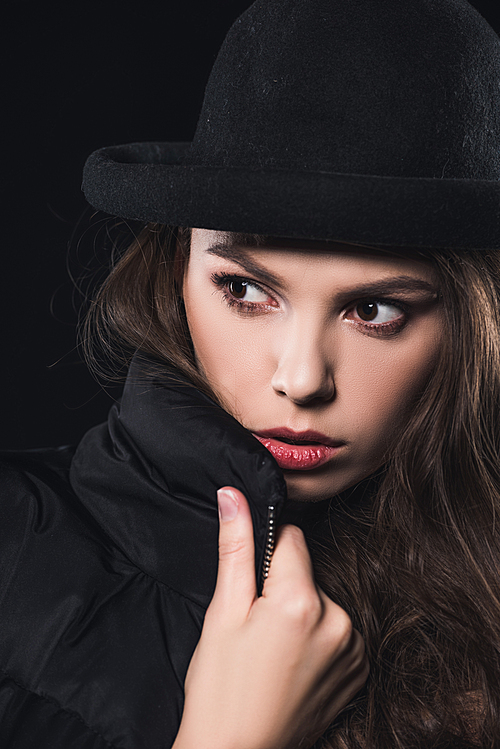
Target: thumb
[(236, 587)]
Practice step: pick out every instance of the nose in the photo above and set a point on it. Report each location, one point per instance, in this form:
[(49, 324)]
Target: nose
[(304, 372)]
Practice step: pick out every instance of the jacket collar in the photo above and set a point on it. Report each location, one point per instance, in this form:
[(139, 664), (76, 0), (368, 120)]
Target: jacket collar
[(149, 478)]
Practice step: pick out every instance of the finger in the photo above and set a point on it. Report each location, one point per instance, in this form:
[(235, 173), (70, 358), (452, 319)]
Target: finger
[(356, 675), (235, 590), (291, 559)]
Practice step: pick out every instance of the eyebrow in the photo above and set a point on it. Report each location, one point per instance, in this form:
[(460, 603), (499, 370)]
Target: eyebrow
[(230, 252), (393, 285)]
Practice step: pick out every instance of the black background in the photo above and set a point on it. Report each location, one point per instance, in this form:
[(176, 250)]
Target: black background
[(78, 76)]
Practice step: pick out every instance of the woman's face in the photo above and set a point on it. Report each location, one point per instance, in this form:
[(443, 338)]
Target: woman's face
[(318, 349)]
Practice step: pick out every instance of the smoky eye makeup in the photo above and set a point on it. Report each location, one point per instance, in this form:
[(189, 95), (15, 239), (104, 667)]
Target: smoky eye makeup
[(372, 315), (379, 317), (244, 294)]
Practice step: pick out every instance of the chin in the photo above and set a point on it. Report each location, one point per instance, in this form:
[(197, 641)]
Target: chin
[(318, 485), (302, 487)]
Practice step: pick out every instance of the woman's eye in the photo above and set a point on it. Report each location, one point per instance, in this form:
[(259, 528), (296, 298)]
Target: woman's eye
[(247, 296), (377, 313), (246, 291)]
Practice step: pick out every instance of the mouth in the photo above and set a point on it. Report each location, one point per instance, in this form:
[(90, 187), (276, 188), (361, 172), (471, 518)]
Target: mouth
[(299, 451)]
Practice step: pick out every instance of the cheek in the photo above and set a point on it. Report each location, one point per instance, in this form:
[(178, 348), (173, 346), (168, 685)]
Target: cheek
[(384, 388), (228, 351)]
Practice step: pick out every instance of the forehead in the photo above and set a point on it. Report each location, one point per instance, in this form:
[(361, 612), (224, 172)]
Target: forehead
[(235, 245)]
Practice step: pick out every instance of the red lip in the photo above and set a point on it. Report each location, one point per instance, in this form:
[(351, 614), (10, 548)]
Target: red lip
[(308, 437), (298, 451)]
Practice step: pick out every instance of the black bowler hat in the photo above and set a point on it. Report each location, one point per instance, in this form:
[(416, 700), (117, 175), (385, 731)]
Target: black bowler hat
[(365, 121)]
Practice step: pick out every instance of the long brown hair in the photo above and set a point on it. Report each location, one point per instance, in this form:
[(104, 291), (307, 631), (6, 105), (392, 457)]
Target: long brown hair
[(417, 563)]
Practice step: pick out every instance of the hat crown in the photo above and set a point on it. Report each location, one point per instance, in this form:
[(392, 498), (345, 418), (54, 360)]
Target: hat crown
[(375, 87)]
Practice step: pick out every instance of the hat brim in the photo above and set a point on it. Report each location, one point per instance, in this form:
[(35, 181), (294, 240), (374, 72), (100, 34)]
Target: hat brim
[(149, 182)]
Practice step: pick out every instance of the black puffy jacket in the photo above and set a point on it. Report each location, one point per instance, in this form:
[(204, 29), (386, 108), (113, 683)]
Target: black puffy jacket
[(108, 560)]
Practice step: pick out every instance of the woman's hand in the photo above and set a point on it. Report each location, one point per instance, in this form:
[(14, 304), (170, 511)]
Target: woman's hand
[(269, 672)]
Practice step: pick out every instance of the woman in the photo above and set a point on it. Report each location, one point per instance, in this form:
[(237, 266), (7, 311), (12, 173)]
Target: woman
[(331, 290)]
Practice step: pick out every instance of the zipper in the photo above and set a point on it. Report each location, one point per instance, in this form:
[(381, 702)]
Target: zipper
[(269, 543)]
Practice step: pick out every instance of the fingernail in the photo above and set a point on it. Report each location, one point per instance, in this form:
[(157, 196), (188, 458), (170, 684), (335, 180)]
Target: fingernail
[(228, 505)]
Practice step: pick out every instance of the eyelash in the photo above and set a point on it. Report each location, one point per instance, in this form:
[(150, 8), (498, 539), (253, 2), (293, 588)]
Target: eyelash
[(222, 281)]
